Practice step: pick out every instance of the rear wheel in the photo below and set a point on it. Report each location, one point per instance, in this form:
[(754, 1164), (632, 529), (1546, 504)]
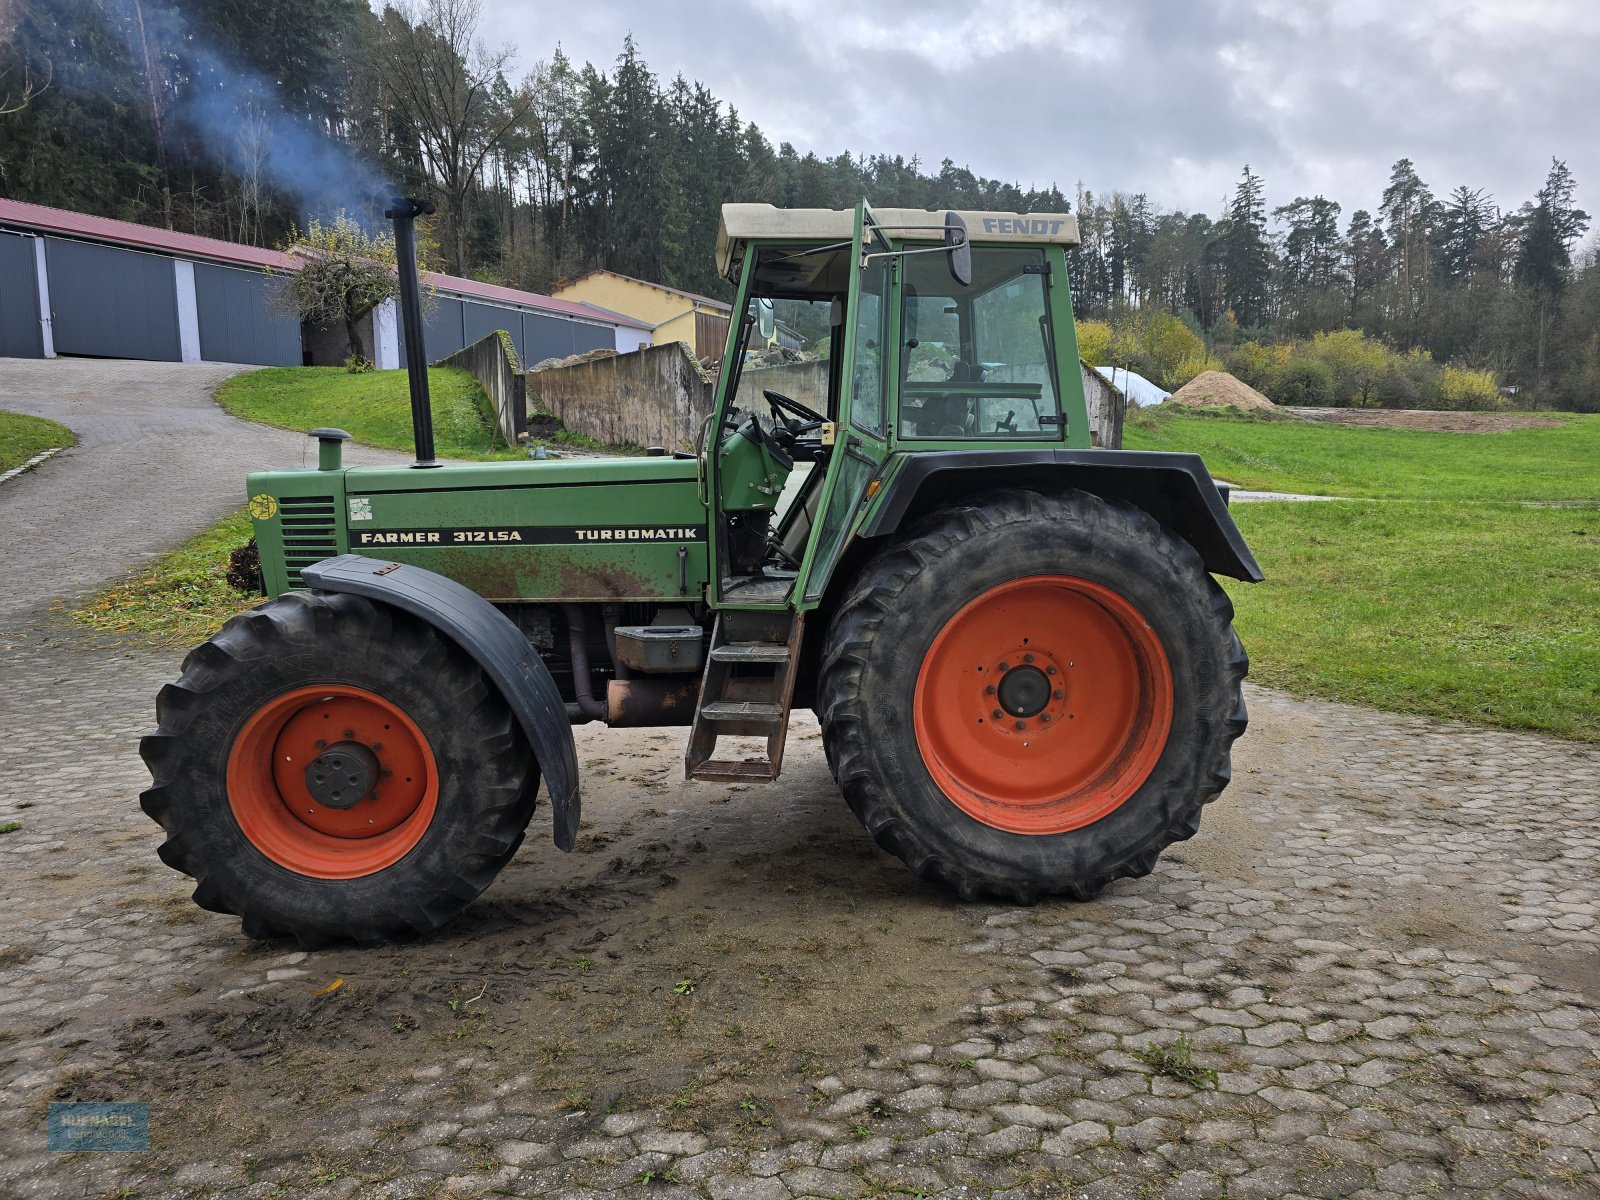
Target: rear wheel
[(330, 768), (1034, 695)]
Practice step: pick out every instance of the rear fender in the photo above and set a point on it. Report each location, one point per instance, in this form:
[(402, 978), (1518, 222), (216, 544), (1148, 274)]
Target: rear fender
[(1175, 489), (494, 643)]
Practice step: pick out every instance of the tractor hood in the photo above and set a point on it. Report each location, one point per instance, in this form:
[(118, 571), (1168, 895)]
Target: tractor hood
[(601, 529)]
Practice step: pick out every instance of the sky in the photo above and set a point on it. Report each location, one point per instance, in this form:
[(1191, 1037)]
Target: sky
[(1166, 97)]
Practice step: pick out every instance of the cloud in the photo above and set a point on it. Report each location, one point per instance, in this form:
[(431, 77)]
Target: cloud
[(1166, 97)]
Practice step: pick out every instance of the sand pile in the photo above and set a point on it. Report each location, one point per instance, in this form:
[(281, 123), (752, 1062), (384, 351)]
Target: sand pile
[(1218, 389)]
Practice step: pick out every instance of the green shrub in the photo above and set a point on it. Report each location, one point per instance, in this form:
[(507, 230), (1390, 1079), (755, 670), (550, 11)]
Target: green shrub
[(1302, 381), (1188, 369), (1255, 364), (1094, 343), (1463, 389)]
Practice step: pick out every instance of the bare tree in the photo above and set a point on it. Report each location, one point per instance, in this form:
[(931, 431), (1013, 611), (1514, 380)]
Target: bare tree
[(430, 62), (18, 83), (251, 137), (347, 272)]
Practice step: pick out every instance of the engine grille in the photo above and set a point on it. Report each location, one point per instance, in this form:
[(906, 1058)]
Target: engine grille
[(310, 533)]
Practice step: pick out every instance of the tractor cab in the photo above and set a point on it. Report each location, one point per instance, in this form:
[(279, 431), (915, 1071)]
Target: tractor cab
[(861, 334)]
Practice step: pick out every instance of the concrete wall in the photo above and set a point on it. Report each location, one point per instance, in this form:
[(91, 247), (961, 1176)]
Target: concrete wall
[(501, 376), (1107, 406), (657, 396), (806, 382), (652, 397)]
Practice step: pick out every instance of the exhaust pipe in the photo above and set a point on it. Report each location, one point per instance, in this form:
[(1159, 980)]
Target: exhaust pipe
[(404, 213)]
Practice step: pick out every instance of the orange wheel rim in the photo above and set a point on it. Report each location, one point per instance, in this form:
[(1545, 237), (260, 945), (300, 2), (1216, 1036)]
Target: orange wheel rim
[(1043, 704), (299, 774)]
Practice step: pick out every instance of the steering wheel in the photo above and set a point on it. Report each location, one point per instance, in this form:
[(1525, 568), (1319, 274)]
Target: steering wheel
[(809, 419)]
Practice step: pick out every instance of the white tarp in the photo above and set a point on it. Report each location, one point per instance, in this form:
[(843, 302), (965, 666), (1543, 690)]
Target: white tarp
[(1135, 387)]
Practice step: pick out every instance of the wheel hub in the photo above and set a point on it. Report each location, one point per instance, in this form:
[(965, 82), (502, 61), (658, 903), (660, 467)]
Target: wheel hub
[(1024, 691), (333, 781), (1043, 704), (342, 774)]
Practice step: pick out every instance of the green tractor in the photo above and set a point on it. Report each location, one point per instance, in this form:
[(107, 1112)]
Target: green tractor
[(1027, 679)]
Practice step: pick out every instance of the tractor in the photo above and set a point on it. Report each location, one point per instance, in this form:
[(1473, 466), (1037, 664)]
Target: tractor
[(1026, 677)]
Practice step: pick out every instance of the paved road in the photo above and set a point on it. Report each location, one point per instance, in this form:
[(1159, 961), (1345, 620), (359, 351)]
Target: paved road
[(156, 460), (1385, 942)]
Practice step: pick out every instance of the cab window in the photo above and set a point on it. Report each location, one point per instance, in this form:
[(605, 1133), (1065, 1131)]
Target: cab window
[(978, 362)]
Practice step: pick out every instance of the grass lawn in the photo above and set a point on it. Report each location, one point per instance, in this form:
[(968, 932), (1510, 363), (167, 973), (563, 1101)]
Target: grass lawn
[(183, 597), (1481, 612), (1466, 607), (21, 437), (1446, 598), (1327, 459), (373, 406)]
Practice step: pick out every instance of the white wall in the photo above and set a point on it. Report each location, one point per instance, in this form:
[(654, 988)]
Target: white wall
[(631, 339), (188, 311), (386, 336), (47, 334)]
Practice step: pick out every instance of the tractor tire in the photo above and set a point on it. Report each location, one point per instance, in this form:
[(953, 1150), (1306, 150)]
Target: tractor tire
[(1033, 695), (438, 781)]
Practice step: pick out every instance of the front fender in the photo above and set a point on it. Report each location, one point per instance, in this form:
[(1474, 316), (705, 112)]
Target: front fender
[(494, 643)]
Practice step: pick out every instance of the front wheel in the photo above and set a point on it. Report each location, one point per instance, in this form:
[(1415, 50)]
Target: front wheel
[(1033, 694), (329, 768)]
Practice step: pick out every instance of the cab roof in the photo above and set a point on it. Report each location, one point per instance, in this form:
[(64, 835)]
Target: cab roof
[(742, 223)]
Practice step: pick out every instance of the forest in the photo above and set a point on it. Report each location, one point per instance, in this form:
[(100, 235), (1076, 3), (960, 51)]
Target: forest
[(246, 120)]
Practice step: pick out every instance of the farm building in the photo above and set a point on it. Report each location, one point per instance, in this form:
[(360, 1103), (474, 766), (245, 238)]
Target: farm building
[(673, 315), (76, 284)]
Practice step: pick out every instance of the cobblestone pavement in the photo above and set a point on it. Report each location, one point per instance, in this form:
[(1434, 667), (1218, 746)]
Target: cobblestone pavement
[(156, 459), (1373, 974)]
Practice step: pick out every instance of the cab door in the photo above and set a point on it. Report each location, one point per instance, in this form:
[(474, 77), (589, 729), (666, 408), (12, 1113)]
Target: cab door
[(861, 432)]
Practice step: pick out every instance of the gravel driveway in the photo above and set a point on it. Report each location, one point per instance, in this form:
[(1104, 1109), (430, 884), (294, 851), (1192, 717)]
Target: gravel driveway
[(1381, 951), (156, 460)]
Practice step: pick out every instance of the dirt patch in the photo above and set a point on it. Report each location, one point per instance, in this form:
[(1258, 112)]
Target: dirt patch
[(705, 949), (1218, 389), (1427, 419)]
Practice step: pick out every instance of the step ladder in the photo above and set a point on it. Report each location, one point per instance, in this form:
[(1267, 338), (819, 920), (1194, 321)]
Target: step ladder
[(745, 692)]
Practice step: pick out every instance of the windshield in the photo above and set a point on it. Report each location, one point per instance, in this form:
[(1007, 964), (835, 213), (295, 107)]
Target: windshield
[(977, 362), (793, 361)]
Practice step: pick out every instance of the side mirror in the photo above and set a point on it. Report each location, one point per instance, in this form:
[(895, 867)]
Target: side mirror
[(766, 319), (955, 241)]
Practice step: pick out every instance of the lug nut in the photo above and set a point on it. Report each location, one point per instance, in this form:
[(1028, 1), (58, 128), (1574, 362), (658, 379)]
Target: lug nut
[(1027, 658), (1005, 666), (1058, 694), (998, 715), (1044, 719), (989, 691), (1022, 724), (1050, 670), (321, 744)]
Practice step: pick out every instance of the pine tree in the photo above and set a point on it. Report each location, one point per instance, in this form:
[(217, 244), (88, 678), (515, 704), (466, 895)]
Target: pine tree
[(1246, 255)]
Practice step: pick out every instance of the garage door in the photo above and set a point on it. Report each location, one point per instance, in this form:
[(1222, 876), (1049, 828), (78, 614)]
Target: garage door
[(112, 303), (20, 336), (237, 322)]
